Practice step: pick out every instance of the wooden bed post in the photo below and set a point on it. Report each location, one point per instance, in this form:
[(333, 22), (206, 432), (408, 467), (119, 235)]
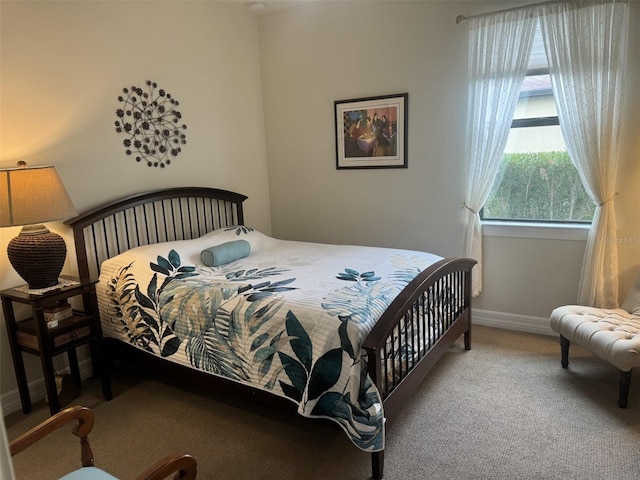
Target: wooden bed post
[(377, 465), (468, 299), (375, 372)]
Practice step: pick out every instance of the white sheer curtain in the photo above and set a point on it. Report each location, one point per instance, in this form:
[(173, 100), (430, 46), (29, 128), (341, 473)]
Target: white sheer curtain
[(499, 49), (586, 47)]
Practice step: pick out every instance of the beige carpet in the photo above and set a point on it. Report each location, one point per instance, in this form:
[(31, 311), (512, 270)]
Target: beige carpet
[(504, 410)]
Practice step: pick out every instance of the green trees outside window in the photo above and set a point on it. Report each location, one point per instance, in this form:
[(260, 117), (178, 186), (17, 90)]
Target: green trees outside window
[(541, 186)]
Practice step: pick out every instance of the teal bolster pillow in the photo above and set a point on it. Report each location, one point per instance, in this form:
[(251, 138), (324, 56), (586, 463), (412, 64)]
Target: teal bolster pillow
[(225, 253)]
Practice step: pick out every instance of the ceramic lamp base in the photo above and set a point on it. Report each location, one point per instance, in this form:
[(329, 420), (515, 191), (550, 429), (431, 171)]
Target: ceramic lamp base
[(38, 256)]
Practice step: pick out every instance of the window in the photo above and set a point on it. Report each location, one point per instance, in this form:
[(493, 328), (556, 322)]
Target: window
[(537, 180)]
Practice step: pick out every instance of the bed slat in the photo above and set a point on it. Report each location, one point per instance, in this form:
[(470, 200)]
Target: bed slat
[(159, 216)]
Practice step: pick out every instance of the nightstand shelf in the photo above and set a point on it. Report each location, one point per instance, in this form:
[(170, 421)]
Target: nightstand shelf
[(32, 336), (72, 333)]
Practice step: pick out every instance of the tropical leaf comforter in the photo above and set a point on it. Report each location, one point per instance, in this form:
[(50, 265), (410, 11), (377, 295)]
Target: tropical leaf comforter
[(290, 318)]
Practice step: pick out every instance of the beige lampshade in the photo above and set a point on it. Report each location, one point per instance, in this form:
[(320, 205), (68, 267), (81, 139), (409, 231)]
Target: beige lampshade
[(33, 195)]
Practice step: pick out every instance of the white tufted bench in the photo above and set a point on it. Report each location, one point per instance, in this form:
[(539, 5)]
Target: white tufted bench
[(613, 335)]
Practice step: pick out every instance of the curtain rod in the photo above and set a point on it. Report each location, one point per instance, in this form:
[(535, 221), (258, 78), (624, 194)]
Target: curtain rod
[(463, 18)]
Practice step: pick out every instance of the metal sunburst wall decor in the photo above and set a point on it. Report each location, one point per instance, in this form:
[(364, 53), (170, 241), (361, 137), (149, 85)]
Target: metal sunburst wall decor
[(151, 123)]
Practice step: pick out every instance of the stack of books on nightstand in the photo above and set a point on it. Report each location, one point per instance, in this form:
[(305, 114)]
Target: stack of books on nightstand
[(57, 313)]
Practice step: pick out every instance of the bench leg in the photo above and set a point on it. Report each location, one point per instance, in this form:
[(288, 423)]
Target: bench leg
[(625, 377), (625, 383), (564, 349)]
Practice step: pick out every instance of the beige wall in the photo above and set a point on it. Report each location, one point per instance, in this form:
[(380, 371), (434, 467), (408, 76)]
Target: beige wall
[(326, 51), (64, 65)]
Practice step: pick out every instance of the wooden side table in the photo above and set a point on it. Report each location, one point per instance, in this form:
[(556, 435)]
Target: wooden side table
[(33, 336)]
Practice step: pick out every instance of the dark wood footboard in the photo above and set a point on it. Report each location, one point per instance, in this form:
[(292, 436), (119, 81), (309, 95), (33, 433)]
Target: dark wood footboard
[(430, 314)]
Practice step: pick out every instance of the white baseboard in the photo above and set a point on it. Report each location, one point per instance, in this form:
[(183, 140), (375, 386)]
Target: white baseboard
[(10, 401), (512, 321)]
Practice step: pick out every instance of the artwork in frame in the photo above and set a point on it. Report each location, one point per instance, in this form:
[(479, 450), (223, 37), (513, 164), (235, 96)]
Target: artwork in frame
[(372, 132)]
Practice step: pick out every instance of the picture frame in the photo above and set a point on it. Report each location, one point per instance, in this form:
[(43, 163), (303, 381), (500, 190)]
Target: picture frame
[(371, 132)]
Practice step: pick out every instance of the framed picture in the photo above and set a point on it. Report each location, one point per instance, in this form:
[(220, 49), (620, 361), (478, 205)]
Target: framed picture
[(372, 132)]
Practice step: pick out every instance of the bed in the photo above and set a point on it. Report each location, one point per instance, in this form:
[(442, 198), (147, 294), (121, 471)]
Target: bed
[(344, 333)]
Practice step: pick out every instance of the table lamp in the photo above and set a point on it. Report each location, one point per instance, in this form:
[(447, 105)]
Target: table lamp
[(30, 196)]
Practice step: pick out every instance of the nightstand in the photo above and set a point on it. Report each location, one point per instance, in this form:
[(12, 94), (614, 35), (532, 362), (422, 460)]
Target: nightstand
[(33, 335)]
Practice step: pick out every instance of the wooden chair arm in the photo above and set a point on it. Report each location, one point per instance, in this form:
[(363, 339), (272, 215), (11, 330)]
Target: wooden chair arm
[(183, 465), (85, 419)]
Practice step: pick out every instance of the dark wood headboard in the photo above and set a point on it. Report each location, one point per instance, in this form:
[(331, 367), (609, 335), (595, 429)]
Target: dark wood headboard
[(151, 217)]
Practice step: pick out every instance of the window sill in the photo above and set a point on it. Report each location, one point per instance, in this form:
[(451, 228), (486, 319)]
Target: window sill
[(549, 231)]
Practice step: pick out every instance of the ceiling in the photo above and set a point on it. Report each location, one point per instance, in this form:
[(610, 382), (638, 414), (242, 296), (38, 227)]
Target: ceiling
[(261, 7)]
